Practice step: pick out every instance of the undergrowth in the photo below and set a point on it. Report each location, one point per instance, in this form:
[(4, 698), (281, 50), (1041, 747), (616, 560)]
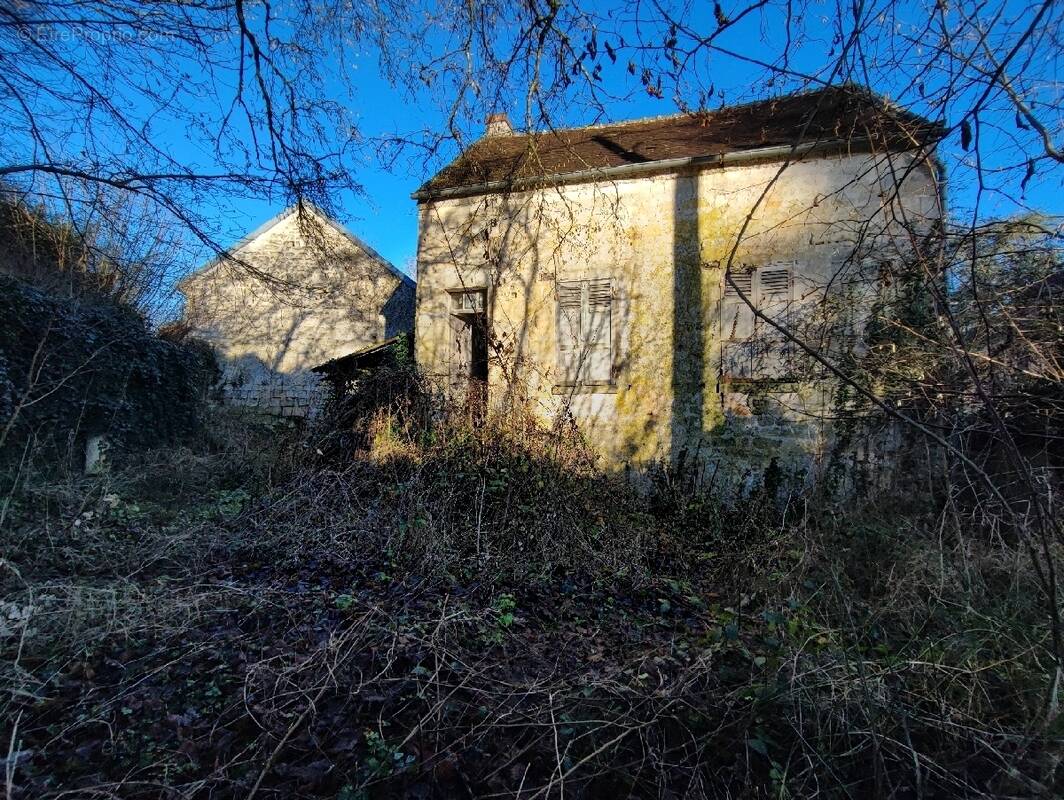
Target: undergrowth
[(431, 606)]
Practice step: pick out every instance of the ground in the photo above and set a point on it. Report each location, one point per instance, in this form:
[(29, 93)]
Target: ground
[(458, 615)]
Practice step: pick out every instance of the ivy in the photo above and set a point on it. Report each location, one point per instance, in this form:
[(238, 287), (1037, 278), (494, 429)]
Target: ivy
[(77, 366)]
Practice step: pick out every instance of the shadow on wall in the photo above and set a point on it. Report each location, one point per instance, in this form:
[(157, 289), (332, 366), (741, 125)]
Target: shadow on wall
[(283, 384), (688, 323), (683, 388), (398, 311), (716, 420), (249, 381), (327, 296)]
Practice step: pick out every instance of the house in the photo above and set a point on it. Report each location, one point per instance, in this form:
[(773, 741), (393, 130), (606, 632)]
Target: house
[(602, 273), (299, 291)]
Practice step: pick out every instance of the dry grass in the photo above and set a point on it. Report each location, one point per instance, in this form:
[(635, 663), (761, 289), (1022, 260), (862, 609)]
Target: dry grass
[(474, 611)]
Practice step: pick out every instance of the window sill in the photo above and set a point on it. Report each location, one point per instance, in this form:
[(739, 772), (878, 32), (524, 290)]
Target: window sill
[(584, 388), (787, 382)]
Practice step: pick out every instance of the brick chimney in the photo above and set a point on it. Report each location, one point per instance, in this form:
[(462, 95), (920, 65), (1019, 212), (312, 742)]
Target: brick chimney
[(498, 125)]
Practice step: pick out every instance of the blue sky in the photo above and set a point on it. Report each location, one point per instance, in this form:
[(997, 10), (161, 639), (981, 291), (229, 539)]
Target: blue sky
[(386, 215)]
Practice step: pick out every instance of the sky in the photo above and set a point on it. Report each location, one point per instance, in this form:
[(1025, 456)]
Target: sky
[(383, 213), (385, 216)]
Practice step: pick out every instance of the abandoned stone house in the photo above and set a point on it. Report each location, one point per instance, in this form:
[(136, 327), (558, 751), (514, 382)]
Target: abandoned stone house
[(299, 291), (602, 273)]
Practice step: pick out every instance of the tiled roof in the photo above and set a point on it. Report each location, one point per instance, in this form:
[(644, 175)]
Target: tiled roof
[(844, 114)]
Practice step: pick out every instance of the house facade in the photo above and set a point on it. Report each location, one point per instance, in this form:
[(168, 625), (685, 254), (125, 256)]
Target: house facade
[(299, 291), (654, 281)]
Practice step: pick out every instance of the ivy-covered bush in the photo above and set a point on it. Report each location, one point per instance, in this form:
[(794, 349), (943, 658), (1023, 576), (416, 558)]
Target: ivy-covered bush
[(74, 367)]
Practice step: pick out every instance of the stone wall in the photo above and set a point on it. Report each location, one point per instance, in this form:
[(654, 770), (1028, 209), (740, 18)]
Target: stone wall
[(297, 395), (663, 242), (293, 296)]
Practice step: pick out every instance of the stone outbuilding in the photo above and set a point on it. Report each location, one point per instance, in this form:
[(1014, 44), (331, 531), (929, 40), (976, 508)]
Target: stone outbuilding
[(639, 277), (299, 291)]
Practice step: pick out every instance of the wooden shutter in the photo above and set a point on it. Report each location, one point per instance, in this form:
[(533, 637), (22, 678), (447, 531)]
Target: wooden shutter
[(751, 348), (585, 331), (598, 360), (570, 313), (736, 317), (737, 324), (461, 350), (774, 286)]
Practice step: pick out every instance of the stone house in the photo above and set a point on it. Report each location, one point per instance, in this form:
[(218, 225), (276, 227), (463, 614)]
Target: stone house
[(299, 291), (609, 274)]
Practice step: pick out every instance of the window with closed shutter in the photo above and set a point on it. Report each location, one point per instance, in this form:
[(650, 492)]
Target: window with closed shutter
[(570, 312), (737, 318), (585, 331), (752, 348), (774, 291)]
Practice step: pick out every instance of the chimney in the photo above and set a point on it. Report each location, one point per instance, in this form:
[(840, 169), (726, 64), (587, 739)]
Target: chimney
[(498, 125)]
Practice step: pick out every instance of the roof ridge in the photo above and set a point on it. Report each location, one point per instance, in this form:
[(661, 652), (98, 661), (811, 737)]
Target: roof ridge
[(231, 252), (855, 88)]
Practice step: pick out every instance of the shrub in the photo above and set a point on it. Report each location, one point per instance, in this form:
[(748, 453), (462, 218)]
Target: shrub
[(499, 496), (73, 367)]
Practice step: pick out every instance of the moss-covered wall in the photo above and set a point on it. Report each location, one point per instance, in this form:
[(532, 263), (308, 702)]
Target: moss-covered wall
[(664, 242)]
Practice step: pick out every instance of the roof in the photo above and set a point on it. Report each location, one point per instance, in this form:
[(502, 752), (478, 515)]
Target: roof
[(366, 358), (273, 222), (838, 114)]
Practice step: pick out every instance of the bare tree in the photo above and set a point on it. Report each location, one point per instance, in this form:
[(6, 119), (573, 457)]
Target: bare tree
[(111, 106)]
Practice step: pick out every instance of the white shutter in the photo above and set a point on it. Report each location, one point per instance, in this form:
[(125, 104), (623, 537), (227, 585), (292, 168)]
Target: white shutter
[(752, 348), (774, 286), (585, 331), (737, 320), (737, 358)]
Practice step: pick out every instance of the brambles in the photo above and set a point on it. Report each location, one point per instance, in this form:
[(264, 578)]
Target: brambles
[(424, 622)]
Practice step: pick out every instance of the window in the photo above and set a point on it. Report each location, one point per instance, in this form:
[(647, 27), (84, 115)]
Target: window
[(752, 348), (467, 301), (585, 332)]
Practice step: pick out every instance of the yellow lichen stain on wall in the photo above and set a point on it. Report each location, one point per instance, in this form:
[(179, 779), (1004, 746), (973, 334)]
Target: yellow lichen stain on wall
[(642, 432)]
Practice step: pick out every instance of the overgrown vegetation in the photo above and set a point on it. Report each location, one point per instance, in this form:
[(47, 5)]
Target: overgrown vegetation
[(449, 609), (81, 365), (418, 606)]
